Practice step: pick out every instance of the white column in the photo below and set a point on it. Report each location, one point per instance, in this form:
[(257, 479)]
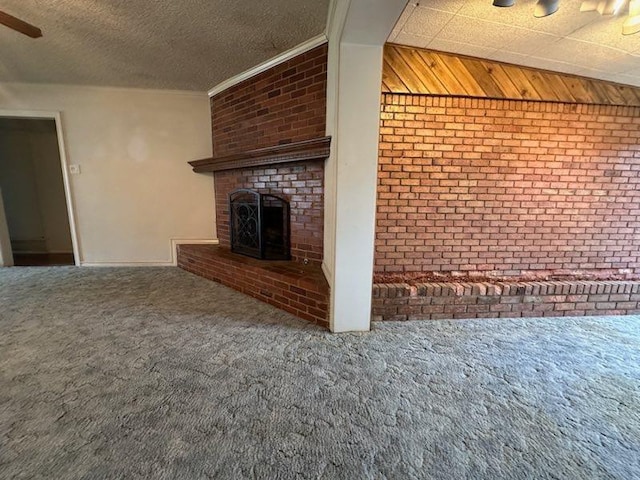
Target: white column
[(357, 32)]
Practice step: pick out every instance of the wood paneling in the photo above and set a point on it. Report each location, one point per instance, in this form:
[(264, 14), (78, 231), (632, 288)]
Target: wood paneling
[(418, 71)]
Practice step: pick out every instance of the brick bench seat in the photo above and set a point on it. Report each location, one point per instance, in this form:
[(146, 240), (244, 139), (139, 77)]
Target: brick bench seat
[(401, 301)]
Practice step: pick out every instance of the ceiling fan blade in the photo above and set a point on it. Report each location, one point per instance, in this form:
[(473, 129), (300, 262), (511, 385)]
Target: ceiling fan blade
[(19, 26)]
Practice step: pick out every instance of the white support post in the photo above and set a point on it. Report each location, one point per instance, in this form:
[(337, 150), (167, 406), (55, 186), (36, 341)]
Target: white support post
[(357, 32)]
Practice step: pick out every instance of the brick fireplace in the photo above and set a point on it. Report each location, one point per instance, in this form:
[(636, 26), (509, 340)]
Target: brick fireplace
[(269, 137), (259, 225), (301, 183)]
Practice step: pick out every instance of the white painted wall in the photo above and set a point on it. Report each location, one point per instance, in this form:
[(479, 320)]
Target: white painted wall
[(357, 32), (31, 179), (135, 192)]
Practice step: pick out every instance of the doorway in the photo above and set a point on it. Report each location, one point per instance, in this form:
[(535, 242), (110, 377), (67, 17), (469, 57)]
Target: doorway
[(33, 192)]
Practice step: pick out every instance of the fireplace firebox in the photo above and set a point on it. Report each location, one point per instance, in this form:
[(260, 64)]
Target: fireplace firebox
[(259, 225)]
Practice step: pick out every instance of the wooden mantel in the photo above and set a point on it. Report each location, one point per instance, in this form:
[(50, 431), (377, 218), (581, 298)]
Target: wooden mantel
[(315, 149)]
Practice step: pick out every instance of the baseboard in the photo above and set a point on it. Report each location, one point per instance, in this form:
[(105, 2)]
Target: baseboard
[(35, 245), (126, 264)]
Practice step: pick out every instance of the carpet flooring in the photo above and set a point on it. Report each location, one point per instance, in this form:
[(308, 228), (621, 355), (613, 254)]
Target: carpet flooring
[(156, 373)]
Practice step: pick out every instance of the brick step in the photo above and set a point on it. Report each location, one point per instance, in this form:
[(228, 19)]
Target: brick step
[(401, 301), (295, 288)]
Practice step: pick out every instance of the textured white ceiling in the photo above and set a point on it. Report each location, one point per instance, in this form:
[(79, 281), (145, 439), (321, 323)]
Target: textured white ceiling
[(568, 41), (184, 44)]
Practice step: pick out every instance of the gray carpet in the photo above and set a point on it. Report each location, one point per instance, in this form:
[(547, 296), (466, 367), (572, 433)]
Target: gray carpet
[(155, 373)]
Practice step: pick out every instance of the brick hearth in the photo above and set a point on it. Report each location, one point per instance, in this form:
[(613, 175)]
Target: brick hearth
[(296, 288)]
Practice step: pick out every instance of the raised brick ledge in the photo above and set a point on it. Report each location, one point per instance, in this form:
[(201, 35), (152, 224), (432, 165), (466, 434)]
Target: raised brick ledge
[(298, 289), (504, 299)]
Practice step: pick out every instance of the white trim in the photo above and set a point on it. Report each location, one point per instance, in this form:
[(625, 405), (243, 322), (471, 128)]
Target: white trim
[(337, 18), (327, 271), (272, 62), (127, 264), (67, 189), (63, 163), (358, 30), (141, 90)]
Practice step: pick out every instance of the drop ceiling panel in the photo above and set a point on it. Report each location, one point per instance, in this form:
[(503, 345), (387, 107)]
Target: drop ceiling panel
[(633, 72), (569, 41), (546, 64), (507, 57), (514, 39), (408, 11), (426, 22), (626, 79), (606, 31), (561, 23), (452, 6), (409, 39), (461, 48), (571, 51)]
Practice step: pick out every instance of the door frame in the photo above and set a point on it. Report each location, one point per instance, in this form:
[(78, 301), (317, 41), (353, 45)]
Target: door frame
[(57, 118)]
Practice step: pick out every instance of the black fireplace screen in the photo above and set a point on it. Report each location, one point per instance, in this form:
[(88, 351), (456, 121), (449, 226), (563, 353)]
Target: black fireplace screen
[(259, 225)]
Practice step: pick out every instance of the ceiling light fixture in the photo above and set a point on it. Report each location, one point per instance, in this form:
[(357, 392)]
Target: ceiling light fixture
[(546, 7), (618, 5), (603, 7), (543, 7)]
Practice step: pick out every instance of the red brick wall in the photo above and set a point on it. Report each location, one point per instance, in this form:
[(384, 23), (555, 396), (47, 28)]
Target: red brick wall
[(300, 183), (282, 105), (507, 186)]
